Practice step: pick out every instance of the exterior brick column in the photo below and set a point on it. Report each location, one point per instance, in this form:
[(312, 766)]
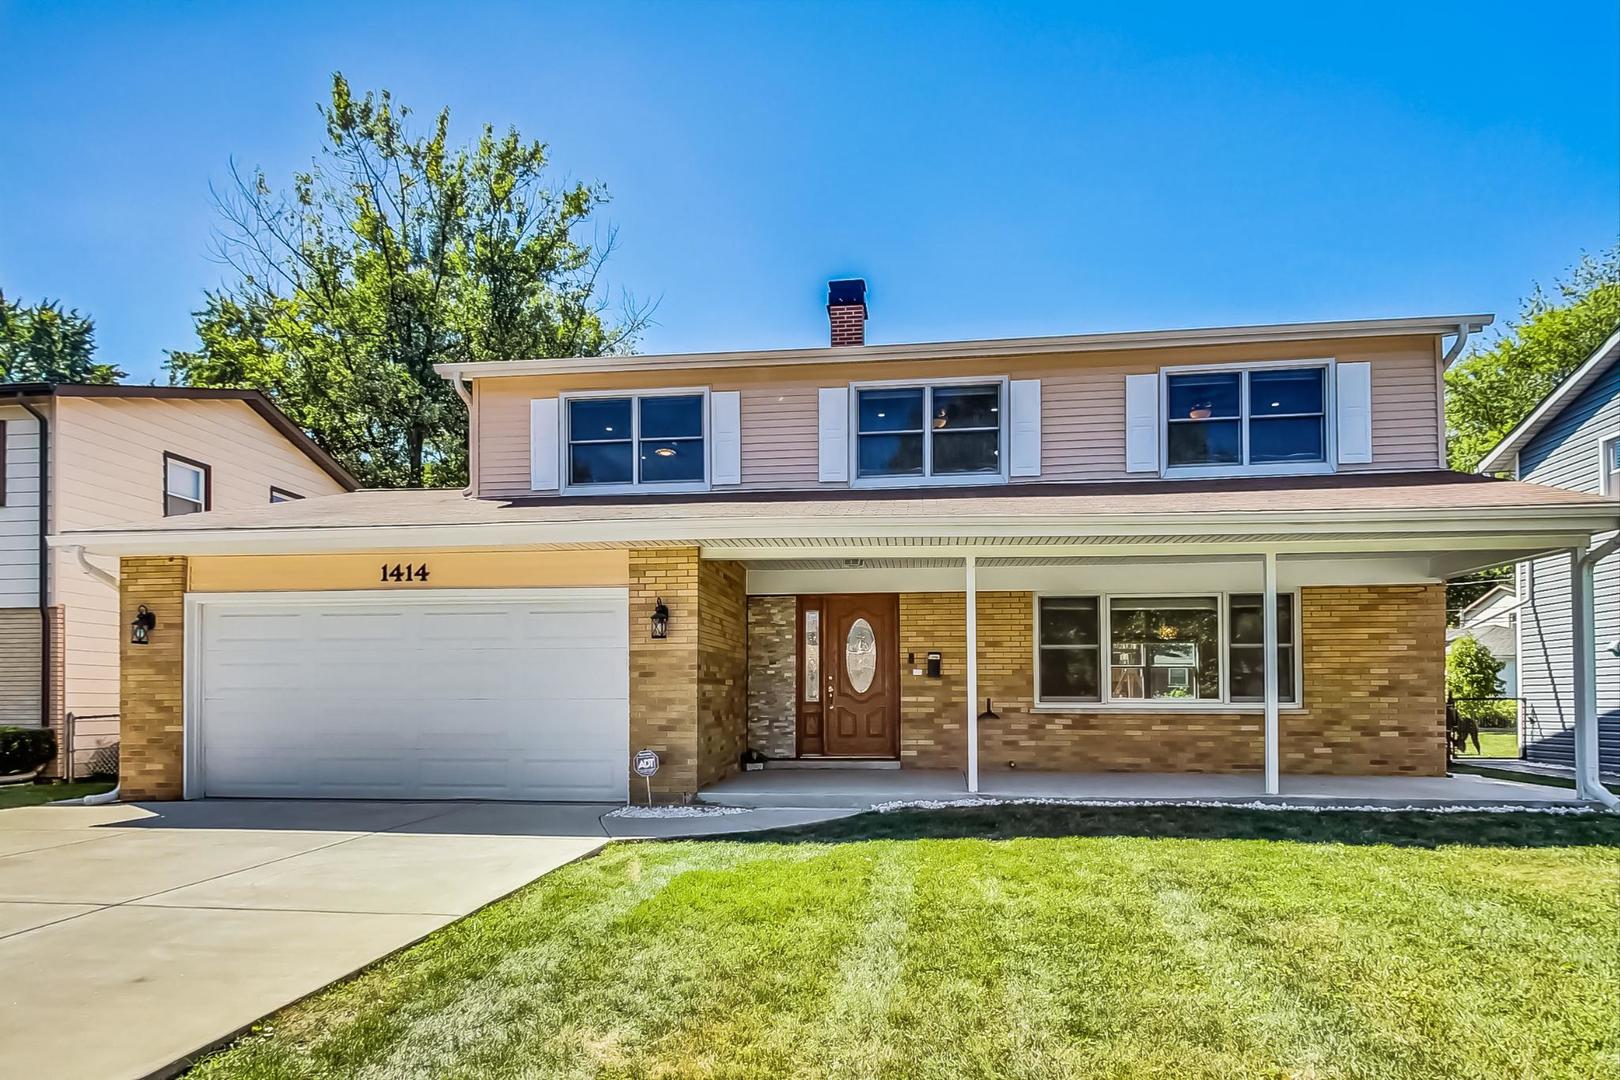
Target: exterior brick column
[(664, 674), (151, 756)]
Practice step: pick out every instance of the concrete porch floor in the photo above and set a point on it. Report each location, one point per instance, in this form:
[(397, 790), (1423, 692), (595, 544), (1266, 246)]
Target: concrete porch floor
[(859, 788)]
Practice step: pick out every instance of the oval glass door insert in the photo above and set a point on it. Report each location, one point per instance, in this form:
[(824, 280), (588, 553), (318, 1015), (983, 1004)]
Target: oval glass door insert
[(860, 656)]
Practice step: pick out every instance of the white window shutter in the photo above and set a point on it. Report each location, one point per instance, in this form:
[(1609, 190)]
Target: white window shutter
[(544, 432), (1142, 423), (833, 433), (1024, 401), (1354, 413), (725, 437)]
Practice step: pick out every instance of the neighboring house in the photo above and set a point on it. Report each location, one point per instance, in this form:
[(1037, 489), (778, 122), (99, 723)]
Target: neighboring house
[(1493, 621), (1214, 550), (1571, 441), (116, 454)]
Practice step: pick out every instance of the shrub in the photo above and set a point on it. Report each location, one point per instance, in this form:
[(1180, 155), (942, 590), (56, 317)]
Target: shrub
[(1471, 670), (25, 749)]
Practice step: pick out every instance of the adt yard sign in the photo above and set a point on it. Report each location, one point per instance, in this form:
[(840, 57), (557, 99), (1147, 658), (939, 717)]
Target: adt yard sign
[(646, 763)]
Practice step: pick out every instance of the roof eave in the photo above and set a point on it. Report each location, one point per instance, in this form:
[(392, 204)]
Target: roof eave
[(1439, 325)]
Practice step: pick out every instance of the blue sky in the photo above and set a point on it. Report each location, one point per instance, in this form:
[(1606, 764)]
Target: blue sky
[(991, 169)]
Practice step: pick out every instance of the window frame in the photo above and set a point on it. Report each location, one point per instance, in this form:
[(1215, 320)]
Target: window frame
[(1105, 700), (286, 496), (928, 479), (1330, 457), (636, 486), (203, 468), (3, 462), (1608, 467)]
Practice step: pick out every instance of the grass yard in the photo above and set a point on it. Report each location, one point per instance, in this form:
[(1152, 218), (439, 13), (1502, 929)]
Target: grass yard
[(1493, 744), (35, 794), (1015, 942)]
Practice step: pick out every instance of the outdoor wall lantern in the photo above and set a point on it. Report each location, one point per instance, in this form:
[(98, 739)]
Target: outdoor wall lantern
[(660, 620), (140, 630)]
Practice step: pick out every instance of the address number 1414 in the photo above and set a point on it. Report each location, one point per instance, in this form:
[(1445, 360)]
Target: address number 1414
[(404, 573)]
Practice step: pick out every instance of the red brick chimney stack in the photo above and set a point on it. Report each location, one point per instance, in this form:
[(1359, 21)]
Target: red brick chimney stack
[(846, 311)]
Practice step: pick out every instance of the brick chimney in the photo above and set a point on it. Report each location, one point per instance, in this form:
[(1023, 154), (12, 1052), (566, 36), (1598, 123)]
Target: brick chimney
[(846, 311)]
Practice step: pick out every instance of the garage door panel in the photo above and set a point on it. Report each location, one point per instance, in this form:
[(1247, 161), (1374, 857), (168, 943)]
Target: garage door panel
[(415, 697)]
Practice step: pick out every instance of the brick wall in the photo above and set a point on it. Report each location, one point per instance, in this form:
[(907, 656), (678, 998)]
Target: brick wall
[(151, 750), (664, 674), (1374, 695), (722, 714), (1375, 672), (772, 675)]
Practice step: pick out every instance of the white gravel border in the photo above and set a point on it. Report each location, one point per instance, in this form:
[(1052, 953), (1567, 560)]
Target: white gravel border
[(1314, 808), (675, 811)]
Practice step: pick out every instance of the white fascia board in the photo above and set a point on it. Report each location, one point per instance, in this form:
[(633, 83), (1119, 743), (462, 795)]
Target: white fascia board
[(1392, 526), (951, 350)]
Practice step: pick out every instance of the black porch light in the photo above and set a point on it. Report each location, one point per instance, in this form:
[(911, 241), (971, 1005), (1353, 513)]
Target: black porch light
[(140, 630), (660, 620)]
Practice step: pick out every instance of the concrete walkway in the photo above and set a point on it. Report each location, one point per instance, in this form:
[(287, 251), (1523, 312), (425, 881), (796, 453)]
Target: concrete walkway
[(135, 936), (859, 788)]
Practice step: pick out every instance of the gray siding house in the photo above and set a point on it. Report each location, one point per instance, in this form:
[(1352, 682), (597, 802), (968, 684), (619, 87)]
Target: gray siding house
[(1572, 441)]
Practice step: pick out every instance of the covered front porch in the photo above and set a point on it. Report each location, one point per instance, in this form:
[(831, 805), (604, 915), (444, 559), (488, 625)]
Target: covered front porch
[(1126, 663), (860, 788)]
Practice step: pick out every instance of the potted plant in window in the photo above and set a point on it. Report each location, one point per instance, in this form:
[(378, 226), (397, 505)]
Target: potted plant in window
[(23, 751)]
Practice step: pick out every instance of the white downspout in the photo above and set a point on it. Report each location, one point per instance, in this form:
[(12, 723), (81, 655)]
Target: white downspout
[(472, 434), (92, 569), (1463, 330), (1583, 647)]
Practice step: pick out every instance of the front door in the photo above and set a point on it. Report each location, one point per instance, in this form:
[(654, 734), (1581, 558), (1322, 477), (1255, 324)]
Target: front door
[(861, 661)]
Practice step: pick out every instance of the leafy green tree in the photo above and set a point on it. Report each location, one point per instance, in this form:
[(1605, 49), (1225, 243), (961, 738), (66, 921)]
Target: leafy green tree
[(1495, 387), (43, 343), (1471, 670), (394, 252)]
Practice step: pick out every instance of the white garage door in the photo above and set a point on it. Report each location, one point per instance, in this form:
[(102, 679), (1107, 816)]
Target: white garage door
[(515, 695)]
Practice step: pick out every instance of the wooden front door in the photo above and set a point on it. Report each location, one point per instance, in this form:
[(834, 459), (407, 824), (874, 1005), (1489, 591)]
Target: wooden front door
[(860, 648)]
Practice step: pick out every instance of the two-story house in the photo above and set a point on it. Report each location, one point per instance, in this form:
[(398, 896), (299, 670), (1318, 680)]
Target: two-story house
[(77, 457), (1571, 440), (1210, 550)]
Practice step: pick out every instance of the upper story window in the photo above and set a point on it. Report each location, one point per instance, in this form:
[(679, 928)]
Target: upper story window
[(943, 431), (1609, 465), (636, 440), (281, 495), (1257, 419), (186, 485)]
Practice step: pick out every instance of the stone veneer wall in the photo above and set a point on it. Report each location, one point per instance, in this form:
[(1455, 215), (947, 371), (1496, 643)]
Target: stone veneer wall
[(773, 675), (151, 752), (722, 716), (1374, 695)]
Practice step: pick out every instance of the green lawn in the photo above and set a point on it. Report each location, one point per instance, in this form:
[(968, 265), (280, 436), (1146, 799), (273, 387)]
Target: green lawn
[(1493, 744), (1015, 942), (34, 794)]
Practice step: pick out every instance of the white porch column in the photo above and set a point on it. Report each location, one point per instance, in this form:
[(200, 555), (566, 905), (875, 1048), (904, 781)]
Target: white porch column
[(971, 573), (1268, 603), (1583, 649)]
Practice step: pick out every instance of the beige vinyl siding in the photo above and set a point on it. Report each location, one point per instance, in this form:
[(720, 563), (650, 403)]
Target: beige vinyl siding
[(19, 666), (19, 517), (1082, 406), (109, 471)]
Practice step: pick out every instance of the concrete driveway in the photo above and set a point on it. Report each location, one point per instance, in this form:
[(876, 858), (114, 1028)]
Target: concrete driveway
[(134, 936)]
